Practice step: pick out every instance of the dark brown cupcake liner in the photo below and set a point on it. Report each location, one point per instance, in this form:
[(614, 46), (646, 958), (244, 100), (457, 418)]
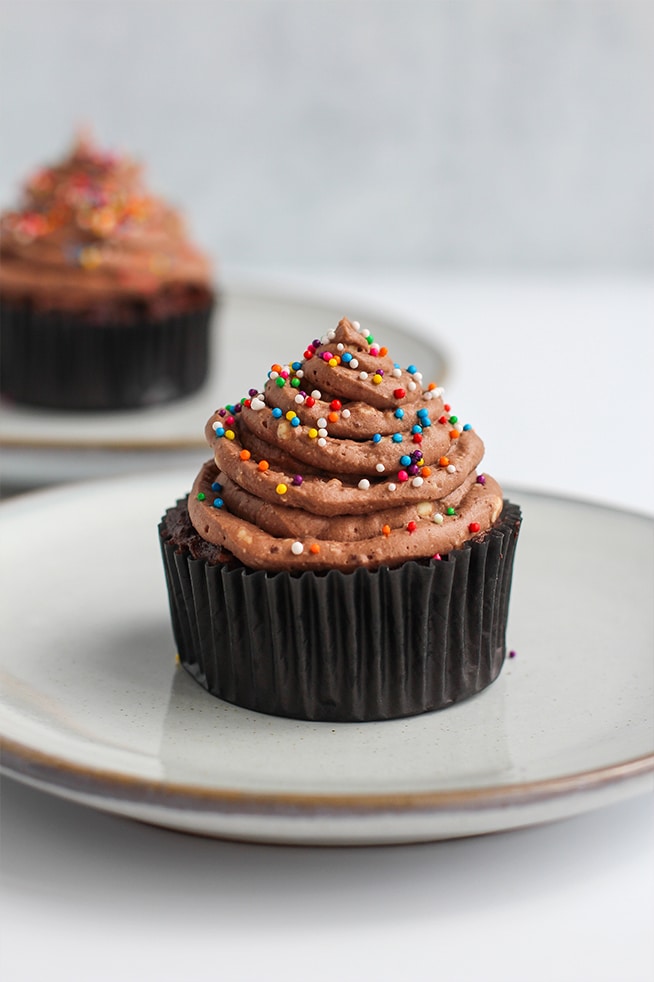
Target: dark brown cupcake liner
[(346, 647), (58, 361)]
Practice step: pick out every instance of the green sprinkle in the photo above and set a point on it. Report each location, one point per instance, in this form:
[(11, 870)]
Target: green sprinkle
[(279, 381), (295, 382), (454, 419), (450, 511), (370, 339), (201, 496)]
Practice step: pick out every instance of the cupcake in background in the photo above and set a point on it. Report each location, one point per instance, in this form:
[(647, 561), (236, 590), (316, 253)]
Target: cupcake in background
[(105, 303), (341, 557)]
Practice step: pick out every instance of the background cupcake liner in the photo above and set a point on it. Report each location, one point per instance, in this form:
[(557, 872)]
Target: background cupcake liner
[(365, 645), (64, 362)]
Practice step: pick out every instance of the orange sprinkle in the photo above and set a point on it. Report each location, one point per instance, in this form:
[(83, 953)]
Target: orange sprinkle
[(276, 368), (263, 465), (383, 351), (431, 386), (333, 417), (386, 529), (454, 434), (444, 461), (245, 455), (426, 471), (314, 548)]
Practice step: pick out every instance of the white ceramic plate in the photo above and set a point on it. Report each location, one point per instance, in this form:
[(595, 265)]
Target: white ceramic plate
[(256, 322), (94, 708)]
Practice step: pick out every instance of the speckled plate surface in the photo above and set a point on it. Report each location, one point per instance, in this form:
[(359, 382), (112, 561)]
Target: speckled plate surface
[(272, 320), (94, 708)]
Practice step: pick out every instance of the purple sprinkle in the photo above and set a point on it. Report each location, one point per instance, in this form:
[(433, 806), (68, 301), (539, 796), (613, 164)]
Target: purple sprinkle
[(237, 408), (222, 412), (412, 469), (252, 392), (379, 371), (512, 654), (297, 479), (316, 343), (481, 479), (416, 454)]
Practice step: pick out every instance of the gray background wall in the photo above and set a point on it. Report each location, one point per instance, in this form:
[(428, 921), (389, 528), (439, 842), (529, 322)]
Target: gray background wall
[(456, 133)]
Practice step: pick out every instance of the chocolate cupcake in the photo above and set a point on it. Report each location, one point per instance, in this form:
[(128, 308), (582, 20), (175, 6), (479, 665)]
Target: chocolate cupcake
[(341, 558), (105, 303)]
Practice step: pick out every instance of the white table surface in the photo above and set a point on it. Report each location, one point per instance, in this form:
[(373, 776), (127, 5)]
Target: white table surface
[(556, 374)]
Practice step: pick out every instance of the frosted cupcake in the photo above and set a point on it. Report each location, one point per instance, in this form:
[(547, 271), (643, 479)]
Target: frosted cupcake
[(105, 302), (341, 557)]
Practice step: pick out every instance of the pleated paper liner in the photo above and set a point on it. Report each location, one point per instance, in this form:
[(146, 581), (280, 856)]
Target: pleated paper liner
[(346, 647), (57, 361)]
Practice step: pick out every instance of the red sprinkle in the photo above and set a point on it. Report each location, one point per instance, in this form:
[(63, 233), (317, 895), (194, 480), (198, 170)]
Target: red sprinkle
[(411, 527), (399, 393), (474, 527), (309, 401), (335, 404), (417, 438)]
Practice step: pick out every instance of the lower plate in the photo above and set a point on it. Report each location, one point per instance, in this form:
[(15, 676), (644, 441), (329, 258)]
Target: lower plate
[(94, 708)]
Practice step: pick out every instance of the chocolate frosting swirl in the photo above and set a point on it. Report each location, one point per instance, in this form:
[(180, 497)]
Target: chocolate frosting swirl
[(88, 233), (342, 460)]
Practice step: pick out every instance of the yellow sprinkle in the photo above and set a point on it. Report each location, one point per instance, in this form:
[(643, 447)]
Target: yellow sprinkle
[(229, 434), (313, 433), (281, 489), (377, 379), (290, 414), (332, 363), (90, 258)]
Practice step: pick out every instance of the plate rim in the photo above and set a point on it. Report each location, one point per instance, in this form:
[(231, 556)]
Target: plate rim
[(238, 286), (26, 764)]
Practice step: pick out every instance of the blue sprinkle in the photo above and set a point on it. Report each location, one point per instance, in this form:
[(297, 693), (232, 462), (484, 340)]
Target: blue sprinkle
[(416, 429), (397, 438), (277, 412), (216, 486), (399, 413), (295, 421), (423, 412), (467, 426), (347, 357), (412, 369), (376, 438), (405, 460), (396, 364), (219, 431), (218, 502), (296, 365), (425, 422)]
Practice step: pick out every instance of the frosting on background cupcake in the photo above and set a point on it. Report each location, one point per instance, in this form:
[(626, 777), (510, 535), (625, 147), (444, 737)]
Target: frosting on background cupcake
[(89, 236)]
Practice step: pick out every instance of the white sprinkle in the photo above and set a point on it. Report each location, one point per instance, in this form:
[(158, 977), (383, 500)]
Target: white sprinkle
[(331, 335), (451, 469), (417, 376), (257, 404), (364, 484), (391, 487), (417, 482), (346, 414), (299, 398), (397, 373), (273, 375), (411, 386), (427, 395), (363, 376), (299, 373), (297, 548), (340, 346), (440, 391), (322, 442), (316, 394), (356, 325), (322, 431), (438, 518), (354, 363), (322, 421), (380, 468)]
